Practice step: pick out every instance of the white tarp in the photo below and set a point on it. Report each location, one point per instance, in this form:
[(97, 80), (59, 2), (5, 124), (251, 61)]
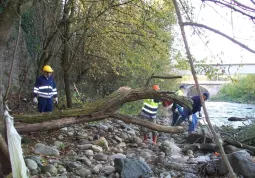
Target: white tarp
[(19, 169)]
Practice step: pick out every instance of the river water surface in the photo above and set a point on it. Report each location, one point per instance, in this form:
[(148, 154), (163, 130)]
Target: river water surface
[(219, 112)]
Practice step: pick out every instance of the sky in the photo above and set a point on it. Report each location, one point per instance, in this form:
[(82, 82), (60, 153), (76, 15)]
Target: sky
[(214, 47)]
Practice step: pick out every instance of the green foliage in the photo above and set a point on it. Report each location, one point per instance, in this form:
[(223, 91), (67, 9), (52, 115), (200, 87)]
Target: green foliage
[(31, 34), (133, 108), (61, 146), (127, 43), (242, 90)]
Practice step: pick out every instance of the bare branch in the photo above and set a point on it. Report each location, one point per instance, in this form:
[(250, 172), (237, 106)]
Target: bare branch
[(147, 124), (216, 137), (161, 77), (220, 33), (233, 8)]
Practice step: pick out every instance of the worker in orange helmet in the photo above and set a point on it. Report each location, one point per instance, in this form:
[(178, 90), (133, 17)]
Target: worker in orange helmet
[(149, 112)]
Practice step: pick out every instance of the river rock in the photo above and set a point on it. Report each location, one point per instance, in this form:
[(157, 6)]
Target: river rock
[(89, 153), (85, 160), (85, 146), (241, 163), (51, 169), (71, 153), (31, 164), (118, 139), (97, 148), (100, 157), (107, 170), (118, 155), (46, 150), (102, 142), (96, 169), (132, 168), (83, 172), (175, 166), (37, 159)]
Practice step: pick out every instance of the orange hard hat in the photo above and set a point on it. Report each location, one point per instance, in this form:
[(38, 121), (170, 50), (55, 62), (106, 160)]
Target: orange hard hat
[(155, 87)]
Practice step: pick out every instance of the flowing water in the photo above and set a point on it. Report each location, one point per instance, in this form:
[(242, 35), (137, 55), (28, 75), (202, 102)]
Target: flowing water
[(219, 112)]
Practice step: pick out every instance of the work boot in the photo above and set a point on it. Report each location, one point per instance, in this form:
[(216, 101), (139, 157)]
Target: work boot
[(145, 138), (154, 139)]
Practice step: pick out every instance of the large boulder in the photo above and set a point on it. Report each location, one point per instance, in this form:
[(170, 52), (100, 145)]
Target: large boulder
[(132, 168), (241, 163)]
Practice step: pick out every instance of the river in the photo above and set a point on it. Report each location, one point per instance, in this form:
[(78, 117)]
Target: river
[(219, 112)]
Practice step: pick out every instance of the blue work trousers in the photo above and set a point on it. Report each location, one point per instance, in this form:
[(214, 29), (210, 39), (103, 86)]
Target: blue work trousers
[(193, 123), (45, 104)]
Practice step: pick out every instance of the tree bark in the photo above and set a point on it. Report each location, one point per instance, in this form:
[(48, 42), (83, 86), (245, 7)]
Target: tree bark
[(5, 163), (99, 110), (240, 145), (7, 19), (66, 50)]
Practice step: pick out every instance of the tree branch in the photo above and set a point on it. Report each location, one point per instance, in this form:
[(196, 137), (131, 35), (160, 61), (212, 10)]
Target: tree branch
[(147, 124), (161, 77), (233, 8), (220, 33), (216, 137)]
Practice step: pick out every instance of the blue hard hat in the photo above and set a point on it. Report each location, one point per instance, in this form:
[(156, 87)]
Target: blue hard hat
[(182, 86), (207, 95)]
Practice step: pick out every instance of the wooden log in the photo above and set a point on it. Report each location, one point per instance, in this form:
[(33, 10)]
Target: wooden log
[(207, 148), (56, 124), (240, 145), (237, 119), (106, 105)]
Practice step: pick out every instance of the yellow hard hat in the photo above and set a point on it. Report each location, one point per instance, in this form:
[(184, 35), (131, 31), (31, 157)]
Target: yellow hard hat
[(47, 68)]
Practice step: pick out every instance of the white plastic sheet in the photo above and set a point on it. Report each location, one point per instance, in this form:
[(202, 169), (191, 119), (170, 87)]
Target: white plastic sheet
[(19, 169)]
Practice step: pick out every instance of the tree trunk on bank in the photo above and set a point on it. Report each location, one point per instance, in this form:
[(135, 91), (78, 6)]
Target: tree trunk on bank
[(99, 110), (7, 19), (5, 164), (68, 90), (67, 15)]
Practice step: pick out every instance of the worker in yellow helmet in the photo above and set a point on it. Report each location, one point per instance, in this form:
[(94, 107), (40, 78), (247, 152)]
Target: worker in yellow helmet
[(45, 90)]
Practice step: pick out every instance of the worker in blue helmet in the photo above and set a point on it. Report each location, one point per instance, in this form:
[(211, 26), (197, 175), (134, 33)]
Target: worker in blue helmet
[(190, 115)]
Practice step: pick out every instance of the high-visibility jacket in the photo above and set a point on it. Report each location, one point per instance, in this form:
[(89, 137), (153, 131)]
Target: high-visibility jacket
[(45, 87), (150, 108), (179, 92)]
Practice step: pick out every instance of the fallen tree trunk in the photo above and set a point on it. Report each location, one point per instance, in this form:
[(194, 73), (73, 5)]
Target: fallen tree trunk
[(106, 105), (56, 124), (100, 110)]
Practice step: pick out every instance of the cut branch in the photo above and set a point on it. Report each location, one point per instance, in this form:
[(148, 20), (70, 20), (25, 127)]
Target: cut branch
[(150, 125), (220, 33), (161, 77), (56, 124)]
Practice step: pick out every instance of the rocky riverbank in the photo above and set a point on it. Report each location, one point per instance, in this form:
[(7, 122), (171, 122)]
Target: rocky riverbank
[(114, 149)]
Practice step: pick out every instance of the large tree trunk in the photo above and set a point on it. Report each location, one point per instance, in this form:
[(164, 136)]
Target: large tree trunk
[(66, 49), (5, 164), (98, 110), (7, 19), (68, 90)]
